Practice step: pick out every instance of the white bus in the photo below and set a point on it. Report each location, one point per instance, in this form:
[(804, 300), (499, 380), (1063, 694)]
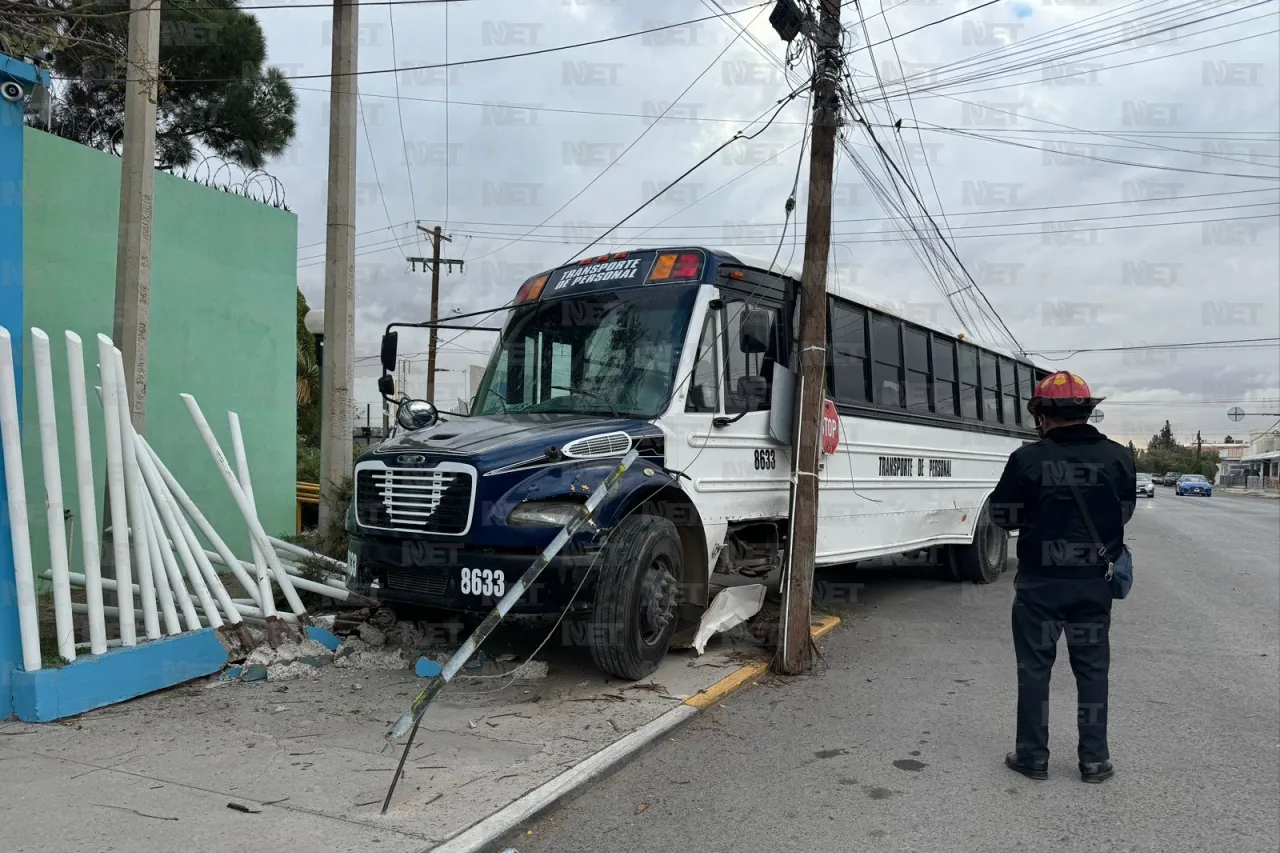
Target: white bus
[(687, 355)]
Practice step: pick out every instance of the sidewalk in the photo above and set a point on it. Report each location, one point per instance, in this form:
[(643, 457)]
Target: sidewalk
[(310, 760), (1253, 493)]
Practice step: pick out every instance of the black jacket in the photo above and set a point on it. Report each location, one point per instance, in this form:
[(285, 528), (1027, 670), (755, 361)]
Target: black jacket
[(1034, 497)]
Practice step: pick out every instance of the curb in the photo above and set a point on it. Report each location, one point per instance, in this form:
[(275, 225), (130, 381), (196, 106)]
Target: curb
[(546, 795)]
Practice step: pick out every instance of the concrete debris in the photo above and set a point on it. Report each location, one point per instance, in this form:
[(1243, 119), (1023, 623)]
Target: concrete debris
[(534, 670), (256, 672), (290, 653), (363, 657), (372, 635), (292, 672)]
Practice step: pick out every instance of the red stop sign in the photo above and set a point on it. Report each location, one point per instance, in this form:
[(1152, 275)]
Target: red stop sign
[(830, 427)]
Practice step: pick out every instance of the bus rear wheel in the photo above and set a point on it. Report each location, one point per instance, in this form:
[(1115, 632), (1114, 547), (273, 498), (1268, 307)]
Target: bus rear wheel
[(637, 597), (982, 561)]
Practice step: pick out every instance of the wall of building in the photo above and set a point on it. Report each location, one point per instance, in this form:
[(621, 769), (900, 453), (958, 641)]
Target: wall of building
[(222, 326)]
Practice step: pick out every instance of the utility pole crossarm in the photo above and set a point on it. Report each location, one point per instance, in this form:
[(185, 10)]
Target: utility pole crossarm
[(433, 263)]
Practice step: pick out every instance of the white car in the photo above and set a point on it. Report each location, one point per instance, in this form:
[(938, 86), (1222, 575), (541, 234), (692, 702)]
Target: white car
[(1146, 486)]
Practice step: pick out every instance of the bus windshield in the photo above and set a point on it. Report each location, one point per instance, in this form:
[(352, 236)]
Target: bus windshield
[(605, 353)]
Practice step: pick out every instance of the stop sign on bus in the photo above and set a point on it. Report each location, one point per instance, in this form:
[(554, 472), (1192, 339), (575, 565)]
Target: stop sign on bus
[(830, 427)]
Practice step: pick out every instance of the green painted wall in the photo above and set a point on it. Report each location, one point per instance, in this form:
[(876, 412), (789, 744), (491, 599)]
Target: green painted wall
[(223, 297)]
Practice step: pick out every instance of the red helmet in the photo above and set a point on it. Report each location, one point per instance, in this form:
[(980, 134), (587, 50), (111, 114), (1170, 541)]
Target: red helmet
[(1064, 394)]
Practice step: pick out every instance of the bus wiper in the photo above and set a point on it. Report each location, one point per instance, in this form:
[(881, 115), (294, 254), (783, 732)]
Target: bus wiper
[(584, 392)]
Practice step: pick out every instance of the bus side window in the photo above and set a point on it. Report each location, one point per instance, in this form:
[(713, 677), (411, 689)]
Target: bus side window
[(847, 360), (886, 361), (990, 388), (968, 381), (1009, 393), (944, 374), (704, 385), (748, 376), (1025, 382)]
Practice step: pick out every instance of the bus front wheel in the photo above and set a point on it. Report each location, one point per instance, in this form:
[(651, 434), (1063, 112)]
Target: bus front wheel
[(983, 560), (637, 597)]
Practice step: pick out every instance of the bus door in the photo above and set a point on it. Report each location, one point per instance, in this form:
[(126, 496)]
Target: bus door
[(725, 444)]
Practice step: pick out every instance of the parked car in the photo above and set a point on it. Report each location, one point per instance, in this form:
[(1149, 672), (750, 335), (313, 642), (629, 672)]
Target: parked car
[(1171, 478), (1193, 484), (1146, 486)]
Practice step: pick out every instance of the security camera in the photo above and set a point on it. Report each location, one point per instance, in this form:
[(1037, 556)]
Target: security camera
[(11, 91)]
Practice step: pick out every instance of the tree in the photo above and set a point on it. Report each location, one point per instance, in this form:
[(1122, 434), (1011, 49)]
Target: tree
[(1227, 440), (215, 90), (308, 384)]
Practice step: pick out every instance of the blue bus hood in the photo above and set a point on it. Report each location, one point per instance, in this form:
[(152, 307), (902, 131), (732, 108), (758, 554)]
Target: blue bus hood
[(498, 441)]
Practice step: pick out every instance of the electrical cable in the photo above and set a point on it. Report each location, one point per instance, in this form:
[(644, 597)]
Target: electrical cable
[(633, 144), (488, 59)]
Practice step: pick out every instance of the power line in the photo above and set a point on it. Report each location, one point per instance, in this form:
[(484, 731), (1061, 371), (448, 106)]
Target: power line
[(372, 159), (633, 144), (845, 239), (404, 142), (486, 59), (1173, 134), (991, 212), (1173, 346), (782, 103)]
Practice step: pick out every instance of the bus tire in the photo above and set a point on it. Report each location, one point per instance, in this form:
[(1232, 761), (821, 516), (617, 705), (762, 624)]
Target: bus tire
[(982, 561), (636, 597)]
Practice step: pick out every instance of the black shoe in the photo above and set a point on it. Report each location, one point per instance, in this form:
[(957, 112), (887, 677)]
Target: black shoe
[(1038, 770), (1096, 771)]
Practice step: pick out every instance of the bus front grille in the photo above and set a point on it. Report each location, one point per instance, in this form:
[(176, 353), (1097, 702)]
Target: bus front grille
[(414, 500)]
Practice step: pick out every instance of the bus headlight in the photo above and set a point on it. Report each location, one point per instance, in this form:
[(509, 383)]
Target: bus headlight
[(544, 513)]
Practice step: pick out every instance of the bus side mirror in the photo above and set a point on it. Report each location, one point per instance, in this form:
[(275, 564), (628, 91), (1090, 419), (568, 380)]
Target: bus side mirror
[(387, 385), (757, 328), (389, 344)]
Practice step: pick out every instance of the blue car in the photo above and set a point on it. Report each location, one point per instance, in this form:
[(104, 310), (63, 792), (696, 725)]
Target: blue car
[(1193, 484)]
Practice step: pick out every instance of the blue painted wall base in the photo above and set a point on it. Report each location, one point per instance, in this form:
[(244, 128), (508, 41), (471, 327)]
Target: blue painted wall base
[(96, 681), (328, 639)]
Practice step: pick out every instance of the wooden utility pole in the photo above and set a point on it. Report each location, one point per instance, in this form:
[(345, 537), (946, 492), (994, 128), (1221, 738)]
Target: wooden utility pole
[(137, 192), (133, 236), (794, 655), (434, 263), (336, 431)]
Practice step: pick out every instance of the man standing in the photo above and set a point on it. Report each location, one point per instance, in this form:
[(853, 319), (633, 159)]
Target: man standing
[(1045, 493)]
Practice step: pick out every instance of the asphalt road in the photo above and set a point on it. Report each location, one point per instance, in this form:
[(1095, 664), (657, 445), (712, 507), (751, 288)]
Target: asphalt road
[(896, 743)]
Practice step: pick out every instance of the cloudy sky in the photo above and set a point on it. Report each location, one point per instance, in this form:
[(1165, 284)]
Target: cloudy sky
[(1163, 231)]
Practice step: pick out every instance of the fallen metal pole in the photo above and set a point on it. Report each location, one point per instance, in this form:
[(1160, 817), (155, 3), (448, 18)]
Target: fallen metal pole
[(259, 561), (193, 512), (297, 551), (413, 717), (255, 526), (133, 487), (115, 484), (170, 564)]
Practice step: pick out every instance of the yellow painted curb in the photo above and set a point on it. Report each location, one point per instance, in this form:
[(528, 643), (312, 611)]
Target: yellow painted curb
[(743, 674)]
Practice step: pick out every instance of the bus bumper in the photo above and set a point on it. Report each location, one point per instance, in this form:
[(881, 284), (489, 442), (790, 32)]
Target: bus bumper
[(451, 577)]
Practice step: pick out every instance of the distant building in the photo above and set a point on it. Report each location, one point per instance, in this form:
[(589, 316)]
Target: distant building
[(1262, 459)]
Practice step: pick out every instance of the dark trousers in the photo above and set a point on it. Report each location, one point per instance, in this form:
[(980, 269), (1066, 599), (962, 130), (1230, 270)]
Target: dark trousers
[(1044, 609)]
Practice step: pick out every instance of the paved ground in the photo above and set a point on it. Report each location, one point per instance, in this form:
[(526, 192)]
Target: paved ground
[(897, 743), (157, 772)]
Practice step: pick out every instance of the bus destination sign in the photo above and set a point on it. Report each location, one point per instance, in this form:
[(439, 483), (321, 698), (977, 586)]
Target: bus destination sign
[(602, 275)]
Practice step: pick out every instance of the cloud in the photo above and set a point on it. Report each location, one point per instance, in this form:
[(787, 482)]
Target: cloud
[(1151, 247)]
